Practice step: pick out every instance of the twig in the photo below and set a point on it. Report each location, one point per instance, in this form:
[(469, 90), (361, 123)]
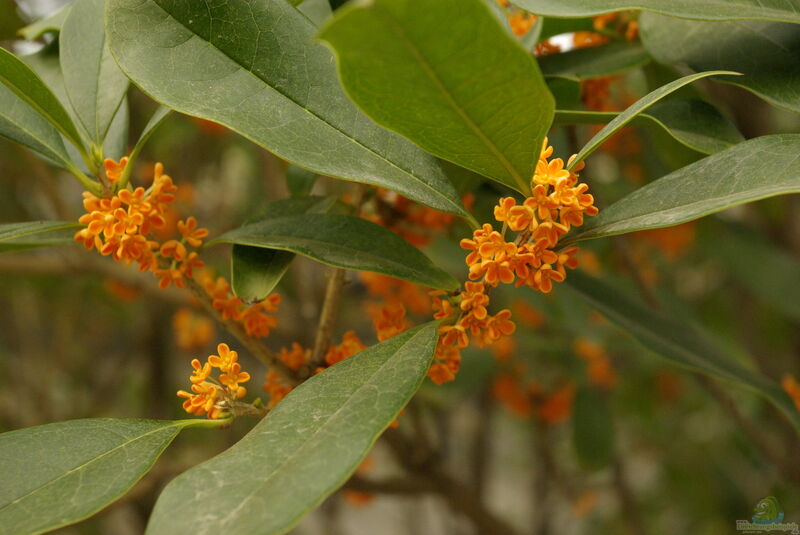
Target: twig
[(327, 321), (460, 497)]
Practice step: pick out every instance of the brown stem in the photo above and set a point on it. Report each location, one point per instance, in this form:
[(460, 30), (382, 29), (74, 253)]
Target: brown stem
[(460, 497), (327, 321)]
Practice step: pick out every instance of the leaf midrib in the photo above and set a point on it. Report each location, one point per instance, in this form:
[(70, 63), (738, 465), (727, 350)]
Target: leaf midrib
[(311, 437), (428, 69), (437, 193)]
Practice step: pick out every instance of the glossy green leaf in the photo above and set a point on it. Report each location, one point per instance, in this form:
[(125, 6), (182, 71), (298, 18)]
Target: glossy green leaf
[(786, 10), (767, 271), (33, 234), (471, 95), (22, 124), (635, 109), (592, 429), (58, 474), (766, 53), (694, 123), (94, 84), (256, 68), (303, 450), (755, 169), (346, 242), (50, 24), (26, 84), (681, 343), (596, 61), (255, 271)]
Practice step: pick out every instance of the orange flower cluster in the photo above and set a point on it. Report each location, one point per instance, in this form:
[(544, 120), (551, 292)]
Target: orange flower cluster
[(255, 318), (598, 363), (396, 291), (389, 320), (120, 226), (526, 401), (558, 202), (349, 346), (212, 396), (792, 387), (277, 387), (192, 331)]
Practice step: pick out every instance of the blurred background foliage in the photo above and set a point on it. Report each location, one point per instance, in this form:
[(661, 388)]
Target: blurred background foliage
[(571, 426)]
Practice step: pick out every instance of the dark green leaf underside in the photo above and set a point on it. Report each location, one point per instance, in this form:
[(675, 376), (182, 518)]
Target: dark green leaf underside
[(343, 241)]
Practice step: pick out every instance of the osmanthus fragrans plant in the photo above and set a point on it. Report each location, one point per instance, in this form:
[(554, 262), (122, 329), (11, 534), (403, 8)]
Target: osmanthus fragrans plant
[(437, 114)]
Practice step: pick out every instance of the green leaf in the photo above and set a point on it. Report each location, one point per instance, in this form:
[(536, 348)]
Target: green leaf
[(303, 450), (58, 474), (567, 92), (635, 109), (592, 429), (26, 84), (255, 67), (50, 24), (786, 10), (300, 181), (755, 169), (94, 83), (680, 343), (471, 94), (115, 145), (694, 123), (346, 242), (33, 234), (596, 61), (22, 124), (10, 22), (766, 53), (255, 271)]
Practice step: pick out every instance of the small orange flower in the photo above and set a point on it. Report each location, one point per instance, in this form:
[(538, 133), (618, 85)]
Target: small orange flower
[(113, 169), (194, 236), (350, 345), (792, 387), (389, 321), (210, 396), (295, 357)]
